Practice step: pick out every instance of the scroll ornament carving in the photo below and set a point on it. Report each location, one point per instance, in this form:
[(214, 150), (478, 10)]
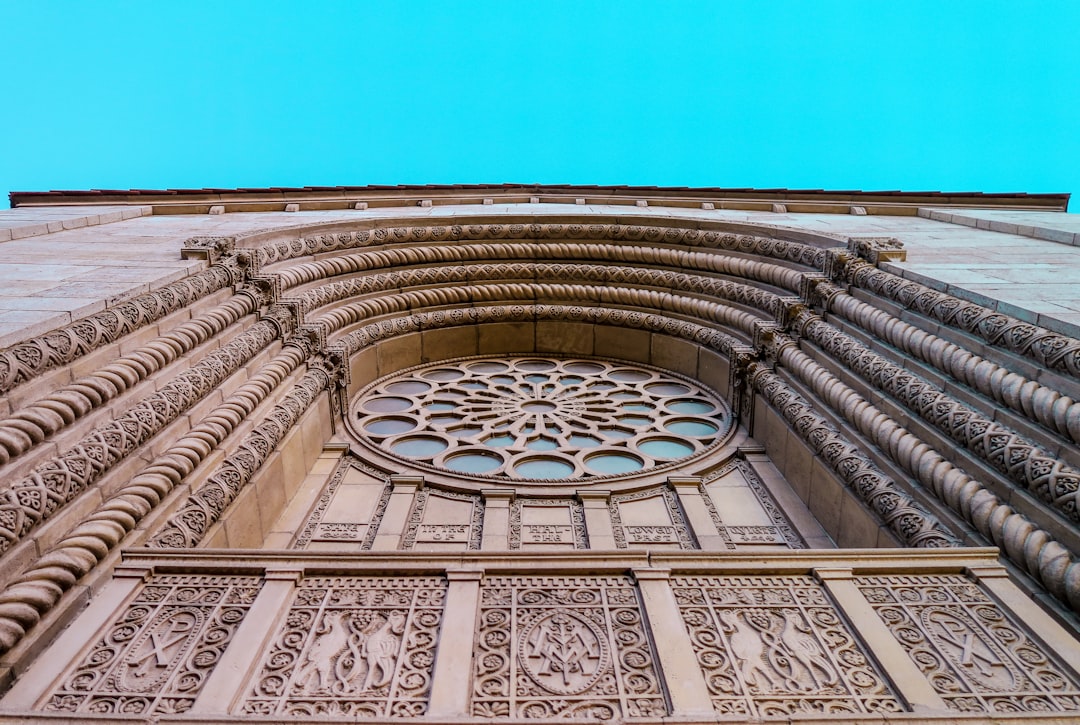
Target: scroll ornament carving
[(676, 532), (472, 533), (972, 653), (577, 536), (560, 647), (27, 360), (204, 507), (774, 646), (910, 522), (1037, 470), (156, 657), (36, 591), (51, 485), (797, 252), (33, 423), (353, 647), (1049, 349), (315, 518)]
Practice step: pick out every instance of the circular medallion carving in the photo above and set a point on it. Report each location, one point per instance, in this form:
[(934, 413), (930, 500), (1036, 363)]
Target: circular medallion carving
[(563, 652), (539, 419)]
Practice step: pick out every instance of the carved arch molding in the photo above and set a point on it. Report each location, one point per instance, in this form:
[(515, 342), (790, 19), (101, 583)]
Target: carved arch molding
[(852, 359)]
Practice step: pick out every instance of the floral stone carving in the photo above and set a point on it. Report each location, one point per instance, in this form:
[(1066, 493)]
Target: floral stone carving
[(562, 647), (156, 656), (777, 646), (353, 647)]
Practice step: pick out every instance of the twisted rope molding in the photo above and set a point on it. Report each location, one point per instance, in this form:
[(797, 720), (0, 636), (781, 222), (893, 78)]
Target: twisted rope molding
[(32, 424), (284, 250), (27, 360), (485, 254), (1025, 544), (204, 507), (1034, 469), (1056, 412), (37, 590), (36, 497), (1048, 348)]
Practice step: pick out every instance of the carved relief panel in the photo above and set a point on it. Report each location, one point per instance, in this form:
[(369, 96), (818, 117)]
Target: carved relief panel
[(347, 510), (444, 521), (543, 523), (744, 511), (974, 655), (156, 656), (777, 646), (651, 518), (564, 647), (353, 647)]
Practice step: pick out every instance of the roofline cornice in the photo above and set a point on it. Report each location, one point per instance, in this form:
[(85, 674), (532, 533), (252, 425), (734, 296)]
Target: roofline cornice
[(321, 198)]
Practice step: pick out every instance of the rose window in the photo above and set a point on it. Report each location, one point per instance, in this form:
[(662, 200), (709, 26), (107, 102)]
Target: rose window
[(539, 419)]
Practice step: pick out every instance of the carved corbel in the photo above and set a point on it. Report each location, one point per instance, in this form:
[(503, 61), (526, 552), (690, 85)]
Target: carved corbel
[(286, 317), (211, 249), (878, 249), (741, 357)]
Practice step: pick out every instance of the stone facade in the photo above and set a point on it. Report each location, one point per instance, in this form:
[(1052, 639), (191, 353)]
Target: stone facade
[(544, 453)]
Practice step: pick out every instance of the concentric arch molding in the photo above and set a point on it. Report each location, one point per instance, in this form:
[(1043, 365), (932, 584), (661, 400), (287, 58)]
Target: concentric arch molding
[(537, 421)]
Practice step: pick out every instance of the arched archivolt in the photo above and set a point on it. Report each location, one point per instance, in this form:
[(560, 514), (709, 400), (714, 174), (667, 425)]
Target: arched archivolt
[(311, 301)]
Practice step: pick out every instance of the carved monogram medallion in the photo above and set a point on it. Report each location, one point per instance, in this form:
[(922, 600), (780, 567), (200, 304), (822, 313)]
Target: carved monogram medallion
[(974, 655), (353, 647), (564, 647), (157, 655), (777, 646)]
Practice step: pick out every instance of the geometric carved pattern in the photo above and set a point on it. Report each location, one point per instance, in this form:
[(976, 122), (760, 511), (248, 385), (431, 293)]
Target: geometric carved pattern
[(156, 657), (774, 646), (564, 647), (353, 647), (777, 646), (974, 655)]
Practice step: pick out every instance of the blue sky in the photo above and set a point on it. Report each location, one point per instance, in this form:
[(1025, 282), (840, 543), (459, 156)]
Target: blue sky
[(945, 95)]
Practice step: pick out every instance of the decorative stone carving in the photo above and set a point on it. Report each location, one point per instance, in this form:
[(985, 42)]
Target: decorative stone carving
[(469, 534), (573, 534), (973, 653), (157, 655), (675, 531), (352, 647), (205, 506), (561, 647), (781, 529), (66, 344), (773, 646), (36, 497)]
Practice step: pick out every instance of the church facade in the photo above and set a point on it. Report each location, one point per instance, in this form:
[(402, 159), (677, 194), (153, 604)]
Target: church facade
[(506, 453)]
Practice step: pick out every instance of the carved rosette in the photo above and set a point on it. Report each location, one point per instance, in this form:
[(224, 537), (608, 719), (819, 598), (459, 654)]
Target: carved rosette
[(156, 656), (974, 655), (561, 647), (774, 646), (355, 647)]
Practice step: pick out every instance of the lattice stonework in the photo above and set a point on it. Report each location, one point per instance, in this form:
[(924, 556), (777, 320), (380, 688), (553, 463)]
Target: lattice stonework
[(974, 655), (539, 419), (157, 655), (564, 647), (777, 646), (353, 647)]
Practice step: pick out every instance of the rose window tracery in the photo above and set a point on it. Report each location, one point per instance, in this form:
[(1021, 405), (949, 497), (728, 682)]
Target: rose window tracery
[(538, 418)]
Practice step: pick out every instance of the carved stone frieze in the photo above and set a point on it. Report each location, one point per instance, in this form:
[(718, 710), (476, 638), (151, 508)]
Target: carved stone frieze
[(776, 645), (27, 502), (205, 505), (29, 359), (912, 524), (156, 656), (564, 647), (352, 647), (972, 652), (1051, 349)]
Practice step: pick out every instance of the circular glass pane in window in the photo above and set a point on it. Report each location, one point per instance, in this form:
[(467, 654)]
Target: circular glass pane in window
[(539, 419)]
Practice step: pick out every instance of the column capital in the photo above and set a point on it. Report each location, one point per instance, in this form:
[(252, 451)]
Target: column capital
[(832, 573), (498, 494), (405, 483), (650, 574), (464, 575), (591, 494), (692, 482)]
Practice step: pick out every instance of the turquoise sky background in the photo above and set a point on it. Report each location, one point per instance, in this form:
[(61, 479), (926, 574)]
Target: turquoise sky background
[(945, 95)]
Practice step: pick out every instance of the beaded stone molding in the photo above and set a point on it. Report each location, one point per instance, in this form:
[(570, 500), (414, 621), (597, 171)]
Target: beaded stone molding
[(539, 418)]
